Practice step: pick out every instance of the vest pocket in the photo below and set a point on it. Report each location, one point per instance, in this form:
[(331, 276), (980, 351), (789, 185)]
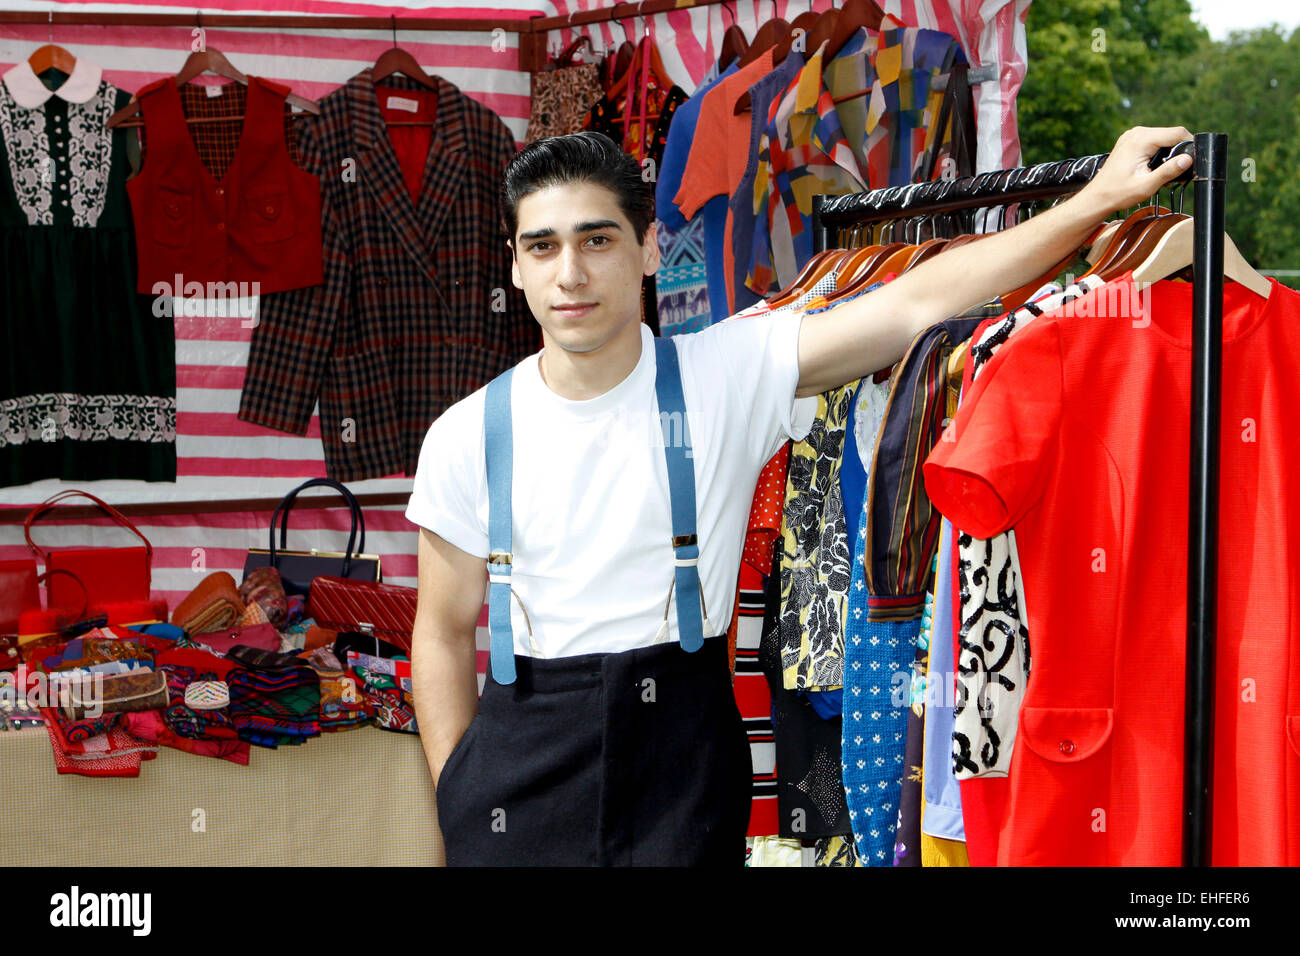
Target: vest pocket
[(173, 223), (268, 214)]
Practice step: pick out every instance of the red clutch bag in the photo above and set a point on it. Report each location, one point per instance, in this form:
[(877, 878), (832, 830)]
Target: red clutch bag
[(341, 604), (103, 575)]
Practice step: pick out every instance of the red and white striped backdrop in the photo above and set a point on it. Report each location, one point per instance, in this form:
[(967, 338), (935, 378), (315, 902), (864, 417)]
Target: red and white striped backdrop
[(221, 458)]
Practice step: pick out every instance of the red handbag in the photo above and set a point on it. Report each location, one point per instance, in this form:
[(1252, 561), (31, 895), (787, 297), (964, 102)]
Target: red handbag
[(341, 604), (18, 592), (108, 575)]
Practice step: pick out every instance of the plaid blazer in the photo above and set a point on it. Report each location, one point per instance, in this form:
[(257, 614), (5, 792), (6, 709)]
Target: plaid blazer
[(417, 309)]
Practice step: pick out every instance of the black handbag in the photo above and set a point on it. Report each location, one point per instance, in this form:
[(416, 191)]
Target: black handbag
[(298, 568)]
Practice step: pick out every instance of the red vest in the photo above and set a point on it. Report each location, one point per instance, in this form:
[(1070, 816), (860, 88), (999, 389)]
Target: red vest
[(260, 223)]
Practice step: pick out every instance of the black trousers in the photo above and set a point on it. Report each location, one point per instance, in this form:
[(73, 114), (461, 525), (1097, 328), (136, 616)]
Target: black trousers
[(638, 758)]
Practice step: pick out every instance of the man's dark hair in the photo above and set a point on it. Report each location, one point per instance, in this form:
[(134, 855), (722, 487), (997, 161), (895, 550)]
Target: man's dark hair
[(578, 157)]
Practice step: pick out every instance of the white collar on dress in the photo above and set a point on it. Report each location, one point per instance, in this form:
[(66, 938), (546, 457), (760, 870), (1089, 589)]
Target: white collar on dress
[(29, 92)]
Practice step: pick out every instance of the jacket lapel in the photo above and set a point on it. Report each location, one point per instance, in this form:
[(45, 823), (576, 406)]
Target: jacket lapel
[(444, 168), (378, 168)]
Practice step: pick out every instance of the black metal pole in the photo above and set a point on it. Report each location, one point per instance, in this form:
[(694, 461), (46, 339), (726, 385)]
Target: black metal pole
[(1203, 517), (821, 241)]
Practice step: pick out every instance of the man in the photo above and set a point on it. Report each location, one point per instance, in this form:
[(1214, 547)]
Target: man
[(612, 469)]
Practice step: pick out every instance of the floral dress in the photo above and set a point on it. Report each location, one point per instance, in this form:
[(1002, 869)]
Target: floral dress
[(87, 370)]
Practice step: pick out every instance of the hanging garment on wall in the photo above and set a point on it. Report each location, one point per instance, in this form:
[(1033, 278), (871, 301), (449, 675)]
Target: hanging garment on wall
[(689, 279), (622, 121), (562, 100), (256, 221), (88, 389), (417, 309), (855, 121), (1071, 435), (740, 205), (217, 143), (714, 167)]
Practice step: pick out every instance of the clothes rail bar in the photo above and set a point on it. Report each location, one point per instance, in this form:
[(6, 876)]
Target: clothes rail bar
[(1050, 180), (1001, 187)]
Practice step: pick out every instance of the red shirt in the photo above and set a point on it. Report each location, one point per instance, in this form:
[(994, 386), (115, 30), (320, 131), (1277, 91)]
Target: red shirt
[(1077, 434)]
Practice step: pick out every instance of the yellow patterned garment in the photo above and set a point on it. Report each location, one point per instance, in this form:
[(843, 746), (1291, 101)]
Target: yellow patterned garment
[(816, 552), (835, 851)]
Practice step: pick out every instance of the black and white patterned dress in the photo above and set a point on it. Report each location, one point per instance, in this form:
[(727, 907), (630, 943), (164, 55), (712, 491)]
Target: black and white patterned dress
[(87, 371)]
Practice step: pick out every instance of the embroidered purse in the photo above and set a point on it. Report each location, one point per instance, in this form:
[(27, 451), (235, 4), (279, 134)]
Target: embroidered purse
[(120, 693)]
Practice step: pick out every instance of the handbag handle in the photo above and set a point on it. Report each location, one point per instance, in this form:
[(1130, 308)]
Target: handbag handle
[(286, 505), (117, 516), (85, 595)]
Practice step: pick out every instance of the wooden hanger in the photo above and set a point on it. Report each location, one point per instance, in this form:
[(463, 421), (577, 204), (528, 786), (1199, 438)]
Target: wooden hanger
[(1152, 232), (854, 15), (209, 60), (799, 27), (808, 276), (734, 43), (822, 29), (1125, 237), (45, 57), (396, 60), (768, 36), (1175, 252)]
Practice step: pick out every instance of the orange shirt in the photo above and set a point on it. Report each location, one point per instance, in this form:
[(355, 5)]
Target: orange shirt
[(718, 155)]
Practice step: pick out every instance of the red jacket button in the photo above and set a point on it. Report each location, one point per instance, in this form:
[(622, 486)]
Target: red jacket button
[(1067, 747)]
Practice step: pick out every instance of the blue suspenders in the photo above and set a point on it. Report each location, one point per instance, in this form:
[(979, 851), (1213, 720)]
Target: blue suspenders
[(499, 447)]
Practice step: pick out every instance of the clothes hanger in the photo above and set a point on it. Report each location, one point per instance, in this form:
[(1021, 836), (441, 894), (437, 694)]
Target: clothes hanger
[(45, 57), (768, 36), (1172, 252), (622, 60), (854, 15), (1175, 252), (565, 59), (799, 27), (734, 42), (210, 60), (816, 267), (396, 60), (822, 30), (1125, 237)]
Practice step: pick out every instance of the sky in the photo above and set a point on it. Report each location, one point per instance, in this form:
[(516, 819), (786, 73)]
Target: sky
[(1222, 16)]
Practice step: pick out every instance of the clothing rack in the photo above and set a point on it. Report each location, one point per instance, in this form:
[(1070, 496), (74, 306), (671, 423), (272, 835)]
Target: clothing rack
[(1052, 180)]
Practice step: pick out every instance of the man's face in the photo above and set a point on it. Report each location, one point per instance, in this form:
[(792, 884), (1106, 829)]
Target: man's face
[(580, 267)]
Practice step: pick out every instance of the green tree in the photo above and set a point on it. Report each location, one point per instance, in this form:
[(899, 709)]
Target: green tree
[(1246, 87), (1086, 58), (1097, 67)]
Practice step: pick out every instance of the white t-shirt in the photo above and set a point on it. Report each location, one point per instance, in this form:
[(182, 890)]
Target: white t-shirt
[(593, 556)]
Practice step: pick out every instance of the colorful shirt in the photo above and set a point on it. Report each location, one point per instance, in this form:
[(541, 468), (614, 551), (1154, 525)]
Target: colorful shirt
[(893, 549), (689, 282)]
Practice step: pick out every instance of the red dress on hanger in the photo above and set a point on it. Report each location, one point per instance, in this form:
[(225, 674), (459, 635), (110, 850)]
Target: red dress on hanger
[(1077, 435)]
